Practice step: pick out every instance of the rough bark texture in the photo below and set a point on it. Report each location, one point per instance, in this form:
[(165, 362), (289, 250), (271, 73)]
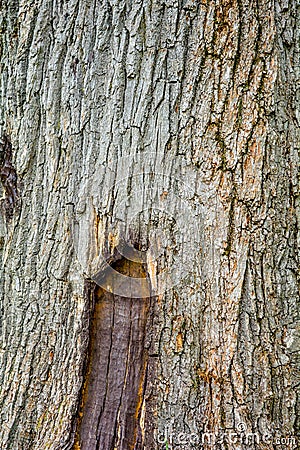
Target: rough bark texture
[(144, 120)]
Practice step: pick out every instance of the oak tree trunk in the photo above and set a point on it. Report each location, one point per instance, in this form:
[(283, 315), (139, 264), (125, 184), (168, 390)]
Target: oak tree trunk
[(166, 134)]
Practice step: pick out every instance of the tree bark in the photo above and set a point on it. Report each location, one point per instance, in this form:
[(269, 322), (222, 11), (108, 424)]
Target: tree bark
[(166, 131)]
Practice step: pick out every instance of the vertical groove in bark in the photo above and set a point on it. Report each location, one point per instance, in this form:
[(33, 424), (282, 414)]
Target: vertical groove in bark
[(112, 403)]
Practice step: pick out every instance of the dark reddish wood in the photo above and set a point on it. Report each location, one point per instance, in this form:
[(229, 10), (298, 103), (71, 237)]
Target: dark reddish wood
[(113, 392)]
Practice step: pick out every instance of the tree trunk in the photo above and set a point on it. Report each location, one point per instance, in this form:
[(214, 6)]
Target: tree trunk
[(167, 134)]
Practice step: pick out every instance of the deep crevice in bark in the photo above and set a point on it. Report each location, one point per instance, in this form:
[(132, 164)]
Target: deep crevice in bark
[(8, 176)]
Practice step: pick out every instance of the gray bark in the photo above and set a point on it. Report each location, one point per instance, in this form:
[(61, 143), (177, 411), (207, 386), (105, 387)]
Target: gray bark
[(174, 127)]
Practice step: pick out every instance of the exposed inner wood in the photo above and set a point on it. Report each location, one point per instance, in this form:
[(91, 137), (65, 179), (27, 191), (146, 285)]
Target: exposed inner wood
[(112, 399)]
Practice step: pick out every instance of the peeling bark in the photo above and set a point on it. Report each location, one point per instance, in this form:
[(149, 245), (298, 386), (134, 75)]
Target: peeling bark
[(111, 411)]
